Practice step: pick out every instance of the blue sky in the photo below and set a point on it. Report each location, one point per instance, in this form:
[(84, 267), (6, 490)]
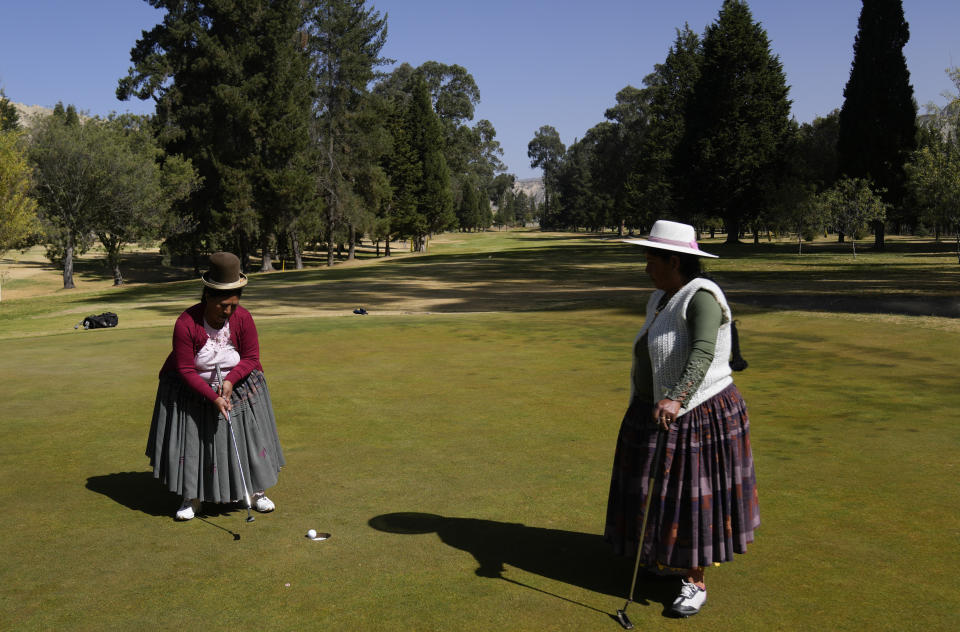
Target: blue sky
[(536, 62)]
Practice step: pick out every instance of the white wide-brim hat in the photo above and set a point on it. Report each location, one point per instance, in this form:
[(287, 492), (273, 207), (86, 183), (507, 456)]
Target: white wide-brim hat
[(666, 235)]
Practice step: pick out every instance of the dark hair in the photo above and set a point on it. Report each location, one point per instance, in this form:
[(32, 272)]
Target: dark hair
[(690, 265), (209, 292)]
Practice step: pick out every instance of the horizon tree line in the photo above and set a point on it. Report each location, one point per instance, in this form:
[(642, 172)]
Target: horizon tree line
[(709, 140)]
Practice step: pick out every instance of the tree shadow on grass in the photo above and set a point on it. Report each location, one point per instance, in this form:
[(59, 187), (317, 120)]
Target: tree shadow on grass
[(578, 559)]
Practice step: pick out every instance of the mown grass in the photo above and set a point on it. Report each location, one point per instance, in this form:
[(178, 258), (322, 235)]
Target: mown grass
[(491, 423)]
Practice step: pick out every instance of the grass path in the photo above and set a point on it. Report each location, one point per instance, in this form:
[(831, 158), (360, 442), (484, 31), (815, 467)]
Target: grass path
[(458, 447)]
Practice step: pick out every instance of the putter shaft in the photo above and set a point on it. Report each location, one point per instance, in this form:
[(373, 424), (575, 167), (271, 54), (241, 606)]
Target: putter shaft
[(236, 450), (654, 470)]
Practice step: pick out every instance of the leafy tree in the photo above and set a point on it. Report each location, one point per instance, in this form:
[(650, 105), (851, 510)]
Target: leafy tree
[(232, 92), (852, 205), (141, 186), (104, 178), (816, 150), (546, 152), (18, 219), (934, 168), (9, 117), (934, 176), (346, 40), (500, 186), (69, 178), (737, 120), (878, 119)]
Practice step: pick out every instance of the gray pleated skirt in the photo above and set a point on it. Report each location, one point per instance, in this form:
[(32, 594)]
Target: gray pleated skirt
[(190, 447)]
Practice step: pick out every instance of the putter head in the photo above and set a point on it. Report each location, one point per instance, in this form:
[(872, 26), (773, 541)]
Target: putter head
[(624, 620), (250, 518)]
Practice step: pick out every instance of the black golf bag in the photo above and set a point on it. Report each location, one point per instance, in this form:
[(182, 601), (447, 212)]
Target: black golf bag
[(106, 319)]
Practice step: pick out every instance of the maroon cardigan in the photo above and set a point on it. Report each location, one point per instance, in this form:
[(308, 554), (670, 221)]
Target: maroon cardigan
[(189, 336)]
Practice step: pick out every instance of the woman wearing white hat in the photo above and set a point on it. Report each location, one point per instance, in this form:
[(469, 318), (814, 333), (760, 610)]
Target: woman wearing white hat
[(189, 445), (704, 504)]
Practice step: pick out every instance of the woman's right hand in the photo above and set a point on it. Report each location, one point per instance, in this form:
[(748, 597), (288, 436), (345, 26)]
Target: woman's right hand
[(223, 405)]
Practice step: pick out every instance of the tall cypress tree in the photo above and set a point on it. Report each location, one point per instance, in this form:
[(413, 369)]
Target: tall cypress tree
[(737, 122), (878, 118), (434, 201), (653, 185)]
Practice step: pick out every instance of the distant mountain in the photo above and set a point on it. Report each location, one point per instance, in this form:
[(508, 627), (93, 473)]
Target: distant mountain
[(28, 112), (531, 187)]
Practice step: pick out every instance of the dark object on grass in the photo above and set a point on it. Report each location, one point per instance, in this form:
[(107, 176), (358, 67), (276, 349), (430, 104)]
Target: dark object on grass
[(621, 615), (360, 311), (737, 363), (100, 321)]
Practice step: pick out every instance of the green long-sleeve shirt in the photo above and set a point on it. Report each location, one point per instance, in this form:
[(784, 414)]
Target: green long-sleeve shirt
[(704, 317)]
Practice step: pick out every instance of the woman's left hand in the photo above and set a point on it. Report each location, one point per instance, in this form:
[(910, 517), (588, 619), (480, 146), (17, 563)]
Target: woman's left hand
[(666, 412)]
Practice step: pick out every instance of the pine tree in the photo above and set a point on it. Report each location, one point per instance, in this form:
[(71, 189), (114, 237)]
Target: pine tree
[(737, 122), (231, 86), (346, 40), (878, 118), (656, 180), (434, 199)]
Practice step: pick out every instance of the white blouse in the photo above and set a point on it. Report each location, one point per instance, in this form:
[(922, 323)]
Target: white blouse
[(218, 350)]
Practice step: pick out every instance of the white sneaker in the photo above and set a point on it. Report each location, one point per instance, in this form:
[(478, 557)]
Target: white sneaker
[(263, 504), (188, 509), (691, 598)]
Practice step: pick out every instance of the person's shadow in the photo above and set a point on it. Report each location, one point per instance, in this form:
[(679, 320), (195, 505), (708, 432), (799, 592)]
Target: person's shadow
[(579, 559), (140, 491)]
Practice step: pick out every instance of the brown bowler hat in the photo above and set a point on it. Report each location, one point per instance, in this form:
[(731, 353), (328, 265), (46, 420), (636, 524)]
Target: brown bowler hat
[(224, 272)]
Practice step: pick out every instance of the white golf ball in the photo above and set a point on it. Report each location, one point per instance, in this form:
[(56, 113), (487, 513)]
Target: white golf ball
[(312, 533)]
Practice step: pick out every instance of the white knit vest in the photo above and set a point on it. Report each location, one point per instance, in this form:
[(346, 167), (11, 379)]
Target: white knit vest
[(668, 343)]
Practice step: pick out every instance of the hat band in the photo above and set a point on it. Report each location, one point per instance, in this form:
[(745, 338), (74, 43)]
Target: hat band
[(674, 242)]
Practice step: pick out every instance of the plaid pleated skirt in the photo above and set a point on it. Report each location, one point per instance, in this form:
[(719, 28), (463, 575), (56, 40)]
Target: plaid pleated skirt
[(190, 447), (704, 507)]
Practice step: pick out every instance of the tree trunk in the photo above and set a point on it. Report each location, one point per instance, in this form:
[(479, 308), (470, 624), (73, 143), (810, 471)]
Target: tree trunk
[(386, 246), (117, 275), (840, 237), (351, 253), (733, 230), (879, 232), (113, 248), (377, 244), (297, 251), (68, 263), (266, 264)]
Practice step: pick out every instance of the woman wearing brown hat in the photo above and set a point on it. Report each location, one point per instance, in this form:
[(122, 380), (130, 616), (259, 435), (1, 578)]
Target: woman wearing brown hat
[(189, 445), (686, 434)]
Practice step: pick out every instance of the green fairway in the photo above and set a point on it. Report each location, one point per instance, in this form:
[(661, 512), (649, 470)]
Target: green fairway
[(481, 399)]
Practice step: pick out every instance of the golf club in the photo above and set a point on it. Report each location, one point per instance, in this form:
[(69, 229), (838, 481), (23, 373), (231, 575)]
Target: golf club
[(654, 470), (243, 479)]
